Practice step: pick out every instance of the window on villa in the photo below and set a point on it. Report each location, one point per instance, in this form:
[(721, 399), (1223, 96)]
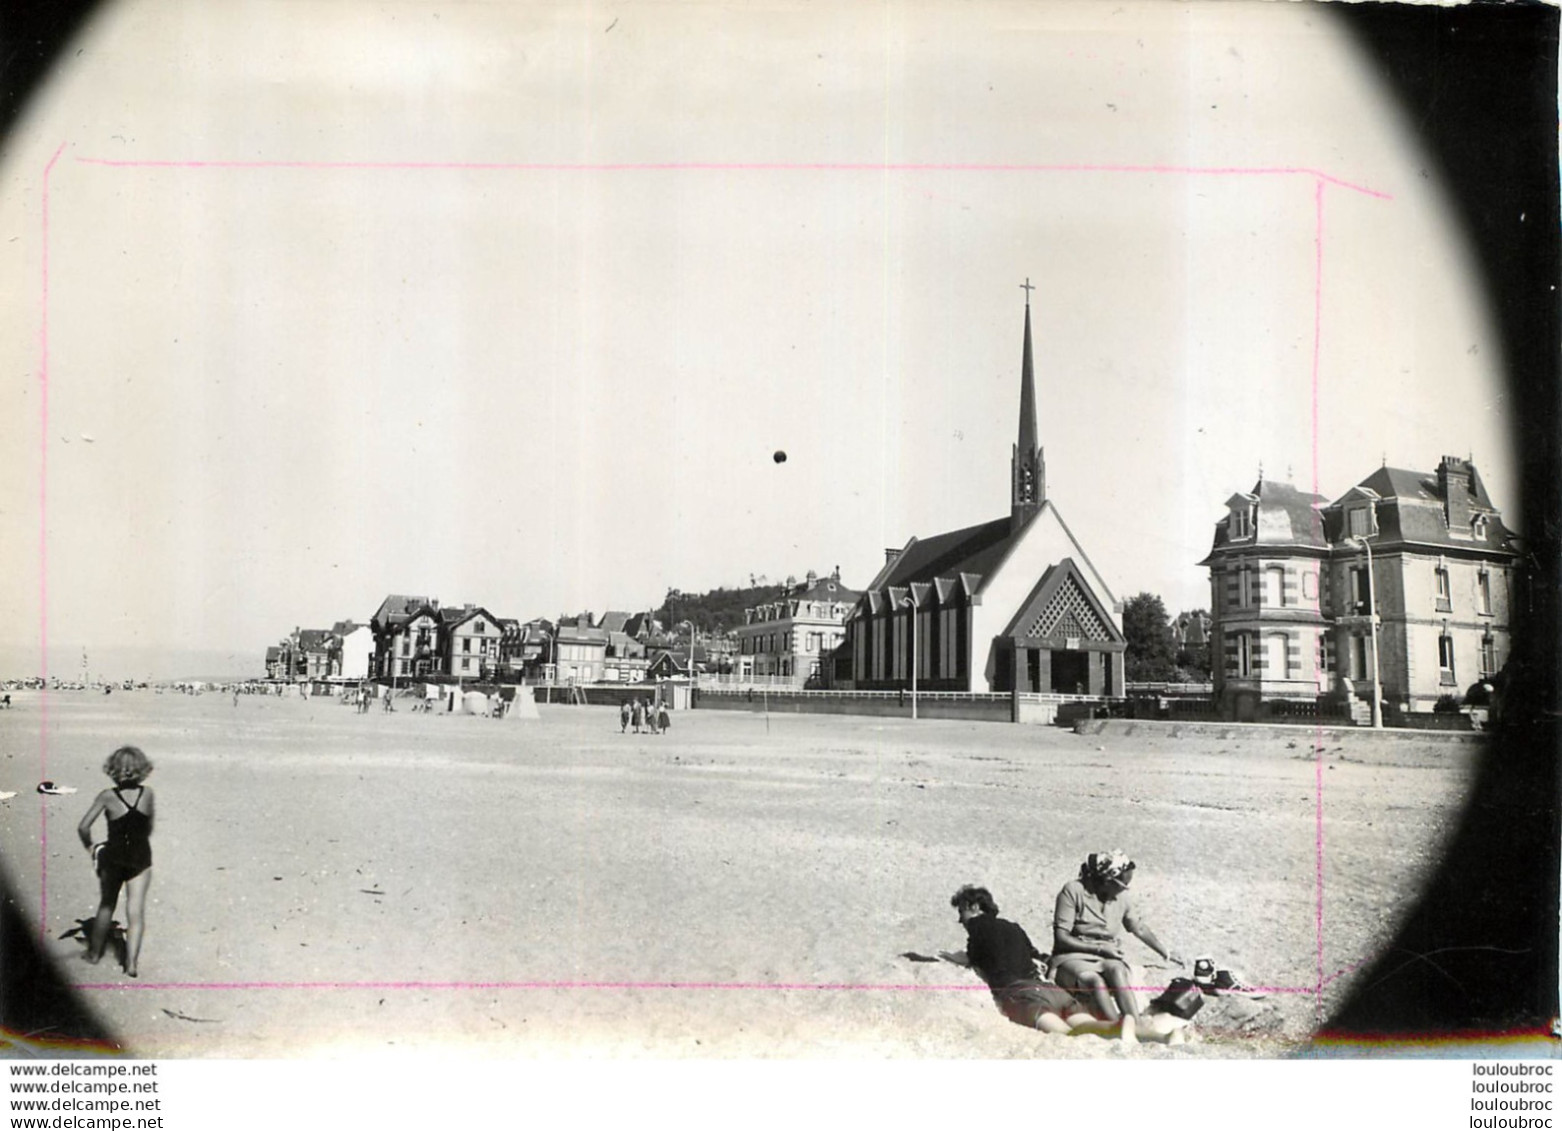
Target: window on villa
[(1488, 656), (1444, 591), (1358, 657), (1244, 654), (1360, 594), (1277, 661), (1241, 527), (1309, 585), (1483, 591), (1245, 587), (466, 646), (478, 627), (1359, 522), (1445, 659), (1274, 586)]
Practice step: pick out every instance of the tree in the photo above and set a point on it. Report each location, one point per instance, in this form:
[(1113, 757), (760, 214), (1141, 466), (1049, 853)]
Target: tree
[(1193, 657), (1148, 657)]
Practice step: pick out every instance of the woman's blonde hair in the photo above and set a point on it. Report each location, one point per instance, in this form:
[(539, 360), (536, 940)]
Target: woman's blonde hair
[(127, 766)]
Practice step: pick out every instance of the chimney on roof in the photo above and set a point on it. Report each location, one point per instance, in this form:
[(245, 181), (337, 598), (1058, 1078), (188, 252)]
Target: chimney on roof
[(434, 604), (1453, 481), (891, 553), (835, 574), (813, 579)]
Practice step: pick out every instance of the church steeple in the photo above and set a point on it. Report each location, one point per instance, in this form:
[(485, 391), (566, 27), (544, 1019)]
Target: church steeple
[(1027, 468)]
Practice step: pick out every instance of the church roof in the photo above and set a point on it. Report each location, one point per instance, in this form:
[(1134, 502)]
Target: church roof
[(973, 550)]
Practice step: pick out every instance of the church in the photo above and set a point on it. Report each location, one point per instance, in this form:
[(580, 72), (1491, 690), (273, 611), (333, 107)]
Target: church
[(1008, 605)]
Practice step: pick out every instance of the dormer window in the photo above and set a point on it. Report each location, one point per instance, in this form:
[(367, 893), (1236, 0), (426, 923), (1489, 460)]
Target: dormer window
[(1358, 522), (1478, 525), (1241, 522)]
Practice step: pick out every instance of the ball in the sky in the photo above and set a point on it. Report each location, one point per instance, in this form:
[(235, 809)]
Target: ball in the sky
[(779, 457)]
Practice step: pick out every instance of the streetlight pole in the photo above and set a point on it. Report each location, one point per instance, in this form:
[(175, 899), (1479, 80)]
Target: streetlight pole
[(1372, 621), (909, 603), (690, 623)]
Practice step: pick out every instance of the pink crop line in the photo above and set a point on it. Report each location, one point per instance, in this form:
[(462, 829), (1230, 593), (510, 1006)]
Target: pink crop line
[(750, 167), (43, 548), (826, 987), (1318, 190)]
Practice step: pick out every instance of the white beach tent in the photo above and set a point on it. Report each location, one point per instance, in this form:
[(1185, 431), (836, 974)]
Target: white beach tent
[(524, 705), (474, 703)]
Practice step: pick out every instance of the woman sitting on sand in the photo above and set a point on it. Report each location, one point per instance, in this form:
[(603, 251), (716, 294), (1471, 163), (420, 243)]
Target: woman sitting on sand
[(1001, 953), (125, 859), (1087, 950)]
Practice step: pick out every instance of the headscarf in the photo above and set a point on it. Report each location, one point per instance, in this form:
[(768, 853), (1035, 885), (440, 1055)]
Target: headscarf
[(1113, 865)]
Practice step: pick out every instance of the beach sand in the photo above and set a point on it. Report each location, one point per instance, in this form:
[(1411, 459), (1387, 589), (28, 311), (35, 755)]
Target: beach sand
[(328, 883)]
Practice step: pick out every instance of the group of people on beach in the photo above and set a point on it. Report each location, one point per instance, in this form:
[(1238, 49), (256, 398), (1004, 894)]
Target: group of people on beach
[(637, 713), (1088, 984)]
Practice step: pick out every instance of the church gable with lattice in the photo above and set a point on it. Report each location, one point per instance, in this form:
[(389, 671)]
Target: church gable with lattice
[(1062, 608), (1069, 613)]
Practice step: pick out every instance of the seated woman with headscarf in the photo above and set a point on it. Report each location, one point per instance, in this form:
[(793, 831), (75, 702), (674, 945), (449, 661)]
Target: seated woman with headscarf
[(1087, 948)]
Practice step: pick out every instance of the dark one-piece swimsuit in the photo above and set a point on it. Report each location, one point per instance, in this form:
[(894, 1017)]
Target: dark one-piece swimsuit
[(128, 852)]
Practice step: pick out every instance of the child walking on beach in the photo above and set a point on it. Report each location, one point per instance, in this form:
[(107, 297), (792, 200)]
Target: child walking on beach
[(125, 859)]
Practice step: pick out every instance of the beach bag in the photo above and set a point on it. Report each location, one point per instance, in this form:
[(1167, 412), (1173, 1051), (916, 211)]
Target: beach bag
[(1182, 998)]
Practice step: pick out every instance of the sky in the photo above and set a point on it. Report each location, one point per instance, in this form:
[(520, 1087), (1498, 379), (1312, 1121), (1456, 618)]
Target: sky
[(514, 304)]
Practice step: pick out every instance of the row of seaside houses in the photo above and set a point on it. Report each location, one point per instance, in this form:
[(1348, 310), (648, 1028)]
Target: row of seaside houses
[(1408, 583)]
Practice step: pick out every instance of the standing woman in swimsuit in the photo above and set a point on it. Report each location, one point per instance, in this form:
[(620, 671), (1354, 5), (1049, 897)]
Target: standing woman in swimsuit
[(125, 860)]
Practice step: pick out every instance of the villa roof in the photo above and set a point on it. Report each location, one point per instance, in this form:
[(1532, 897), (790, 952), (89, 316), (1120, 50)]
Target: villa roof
[(1412, 507), (613, 621), (396, 608), (1285, 516), (314, 639)]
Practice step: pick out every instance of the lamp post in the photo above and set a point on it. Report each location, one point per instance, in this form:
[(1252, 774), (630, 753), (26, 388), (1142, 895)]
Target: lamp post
[(909, 603), (690, 623), (1372, 621)]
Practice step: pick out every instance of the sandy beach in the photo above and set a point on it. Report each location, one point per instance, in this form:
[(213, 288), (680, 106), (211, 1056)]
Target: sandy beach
[(329, 883)]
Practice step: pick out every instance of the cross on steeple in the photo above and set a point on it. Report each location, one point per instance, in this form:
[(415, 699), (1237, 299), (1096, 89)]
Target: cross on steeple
[(1027, 288)]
